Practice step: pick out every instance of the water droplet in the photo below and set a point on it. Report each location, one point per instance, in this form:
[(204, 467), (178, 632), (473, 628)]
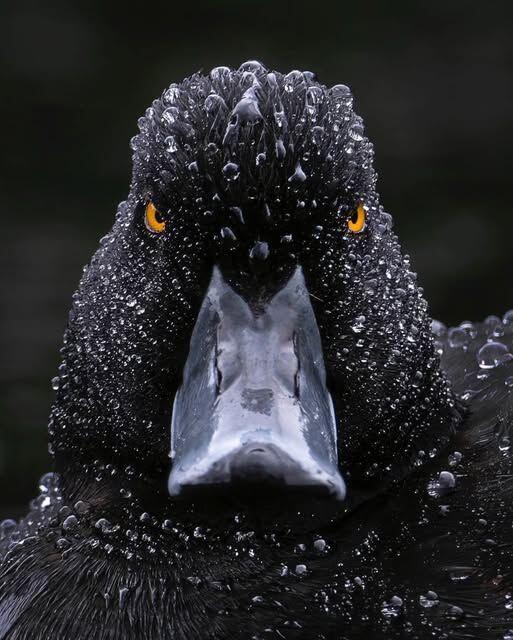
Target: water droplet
[(227, 234), (254, 66), (429, 600), (507, 318), (342, 94), (442, 485), (417, 379), (370, 286), (237, 212), (492, 321), (172, 94), (280, 149), (458, 337), (70, 523), (493, 354), (246, 111), (446, 480), (214, 102), (319, 545), (104, 525), (455, 458), (64, 512), (291, 80), (259, 251), (81, 507), (298, 176), (392, 608), (48, 481), (170, 143), (455, 612), (317, 135), (170, 115), (314, 96), (438, 328), (62, 544), (218, 73), (356, 129), (279, 117), (231, 171), (358, 324), (7, 527)]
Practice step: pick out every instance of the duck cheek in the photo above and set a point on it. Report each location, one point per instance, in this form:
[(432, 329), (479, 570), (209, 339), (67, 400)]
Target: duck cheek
[(253, 410), (124, 352)]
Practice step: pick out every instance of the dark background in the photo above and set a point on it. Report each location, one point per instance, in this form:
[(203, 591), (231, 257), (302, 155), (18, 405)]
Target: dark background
[(432, 80)]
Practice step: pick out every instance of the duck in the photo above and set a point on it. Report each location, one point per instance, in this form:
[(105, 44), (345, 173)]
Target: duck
[(258, 430)]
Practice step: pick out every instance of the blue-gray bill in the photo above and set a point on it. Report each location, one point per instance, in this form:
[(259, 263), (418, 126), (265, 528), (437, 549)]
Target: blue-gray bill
[(253, 408)]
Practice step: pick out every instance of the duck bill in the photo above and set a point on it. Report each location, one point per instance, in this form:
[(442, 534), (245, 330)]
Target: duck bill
[(253, 409)]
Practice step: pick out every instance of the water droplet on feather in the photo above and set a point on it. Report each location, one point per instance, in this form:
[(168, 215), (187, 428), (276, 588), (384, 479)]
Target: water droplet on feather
[(493, 354)]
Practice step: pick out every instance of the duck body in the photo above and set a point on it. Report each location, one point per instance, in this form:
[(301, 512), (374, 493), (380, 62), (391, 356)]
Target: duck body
[(417, 540)]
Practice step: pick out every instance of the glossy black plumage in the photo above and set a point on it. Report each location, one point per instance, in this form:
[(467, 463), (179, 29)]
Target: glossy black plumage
[(105, 553)]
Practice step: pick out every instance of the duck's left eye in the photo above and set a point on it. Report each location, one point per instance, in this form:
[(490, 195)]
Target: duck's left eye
[(356, 223), (153, 219)]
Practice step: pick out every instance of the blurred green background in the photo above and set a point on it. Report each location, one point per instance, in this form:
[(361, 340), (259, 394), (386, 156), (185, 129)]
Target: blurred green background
[(431, 79)]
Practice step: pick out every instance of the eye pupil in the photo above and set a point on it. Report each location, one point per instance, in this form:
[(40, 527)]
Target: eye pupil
[(354, 216)]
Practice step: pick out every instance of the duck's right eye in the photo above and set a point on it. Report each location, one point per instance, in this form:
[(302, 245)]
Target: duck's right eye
[(356, 223), (153, 219)]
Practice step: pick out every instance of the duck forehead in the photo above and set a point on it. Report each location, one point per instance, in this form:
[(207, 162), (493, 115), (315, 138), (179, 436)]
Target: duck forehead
[(252, 134)]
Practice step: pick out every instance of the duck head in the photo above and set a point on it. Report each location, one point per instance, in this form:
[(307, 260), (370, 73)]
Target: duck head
[(251, 311)]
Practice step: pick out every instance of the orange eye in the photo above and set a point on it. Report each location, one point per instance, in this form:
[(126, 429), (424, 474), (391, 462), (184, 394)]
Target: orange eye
[(153, 219), (356, 222)]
